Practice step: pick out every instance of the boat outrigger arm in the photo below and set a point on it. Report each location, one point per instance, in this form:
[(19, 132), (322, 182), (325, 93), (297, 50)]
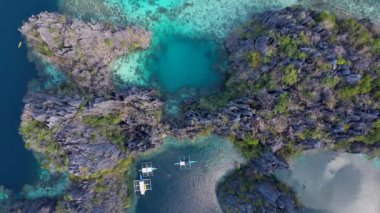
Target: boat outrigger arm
[(142, 185), (147, 169), (184, 162)]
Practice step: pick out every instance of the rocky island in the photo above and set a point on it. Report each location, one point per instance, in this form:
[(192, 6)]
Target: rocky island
[(83, 51), (298, 80)]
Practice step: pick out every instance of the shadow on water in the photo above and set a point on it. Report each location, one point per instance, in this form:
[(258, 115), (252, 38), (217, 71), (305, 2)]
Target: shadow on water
[(188, 190), (17, 165)]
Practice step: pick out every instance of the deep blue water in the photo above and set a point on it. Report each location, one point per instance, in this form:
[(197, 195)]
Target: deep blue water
[(17, 165)]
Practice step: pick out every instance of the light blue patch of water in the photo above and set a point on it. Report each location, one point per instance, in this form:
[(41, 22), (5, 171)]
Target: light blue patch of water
[(193, 19), (53, 76), (185, 36), (376, 162), (48, 185), (180, 62)]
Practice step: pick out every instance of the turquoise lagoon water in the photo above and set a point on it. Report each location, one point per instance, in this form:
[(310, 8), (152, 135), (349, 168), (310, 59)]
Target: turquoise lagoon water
[(186, 54), (191, 190), (186, 57), (176, 23), (332, 182)]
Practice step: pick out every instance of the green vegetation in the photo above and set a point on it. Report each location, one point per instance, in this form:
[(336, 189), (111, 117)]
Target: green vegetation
[(359, 34), (250, 146), (284, 93), (255, 59), (290, 151), (304, 39), (325, 66), (288, 45), (118, 173), (373, 137), (291, 75), (120, 169), (282, 104), (108, 42), (44, 49), (341, 61), (331, 82), (376, 46), (231, 92), (258, 29), (108, 127), (328, 19), (363, 87), (242, 183), (316, 134), (40, 138)]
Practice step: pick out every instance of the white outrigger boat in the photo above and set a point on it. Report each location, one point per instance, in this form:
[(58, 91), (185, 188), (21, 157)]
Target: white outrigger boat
[(185, 162), (147, 169), (142, 185)]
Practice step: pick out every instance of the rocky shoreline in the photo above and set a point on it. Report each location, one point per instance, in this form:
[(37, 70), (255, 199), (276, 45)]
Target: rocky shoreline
[(298, 80), (83, 51)]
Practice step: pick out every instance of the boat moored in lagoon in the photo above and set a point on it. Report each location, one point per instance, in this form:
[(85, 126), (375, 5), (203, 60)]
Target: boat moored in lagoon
[(147, 169), (184, 162), (142, 185)]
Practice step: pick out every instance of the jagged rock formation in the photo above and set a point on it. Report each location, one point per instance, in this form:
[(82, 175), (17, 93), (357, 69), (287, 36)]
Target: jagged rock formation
[(94, 133), (92, 141), (307, 79), (299, 80), (83, 51), (261, 191)]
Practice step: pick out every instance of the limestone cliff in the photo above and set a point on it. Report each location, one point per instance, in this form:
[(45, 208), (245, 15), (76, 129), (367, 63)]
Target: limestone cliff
[(83, 51), (298, 80)]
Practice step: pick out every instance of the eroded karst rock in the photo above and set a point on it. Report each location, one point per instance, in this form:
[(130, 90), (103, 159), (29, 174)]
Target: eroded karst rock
[(83, 51)]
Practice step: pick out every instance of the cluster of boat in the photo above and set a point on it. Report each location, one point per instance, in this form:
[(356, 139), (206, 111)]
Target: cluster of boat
[(144, 184)]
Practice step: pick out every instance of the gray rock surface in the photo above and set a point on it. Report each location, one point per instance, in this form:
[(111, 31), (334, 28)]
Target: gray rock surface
[(83, 51)]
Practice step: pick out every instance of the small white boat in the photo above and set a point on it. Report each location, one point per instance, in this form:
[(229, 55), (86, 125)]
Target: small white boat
[(142, 185), (20, 44), (147, 169), (184, 162)]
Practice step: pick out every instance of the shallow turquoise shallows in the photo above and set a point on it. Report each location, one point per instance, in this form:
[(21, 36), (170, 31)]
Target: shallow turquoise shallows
[(332, 182), (188, 190), (186, 54), (181, 63)]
